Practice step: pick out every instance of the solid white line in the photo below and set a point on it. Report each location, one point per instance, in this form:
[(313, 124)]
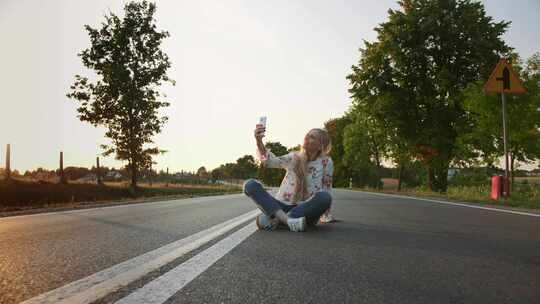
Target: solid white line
[(139, 204), (100, 284), (447, 203), (165, 286)]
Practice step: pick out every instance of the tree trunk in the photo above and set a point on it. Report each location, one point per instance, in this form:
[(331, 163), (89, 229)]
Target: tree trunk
[(98, 173), (511, 172), (400, 176), (430, 177), (61, 171), (150, 176), (8, 162), (378, 174), (440, 181), (133, 176)]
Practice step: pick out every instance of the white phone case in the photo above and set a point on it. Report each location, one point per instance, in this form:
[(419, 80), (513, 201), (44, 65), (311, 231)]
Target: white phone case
[(262, 121)]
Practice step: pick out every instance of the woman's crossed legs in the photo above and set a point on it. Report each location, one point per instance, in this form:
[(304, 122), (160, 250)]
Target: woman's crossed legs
[(295, 216)]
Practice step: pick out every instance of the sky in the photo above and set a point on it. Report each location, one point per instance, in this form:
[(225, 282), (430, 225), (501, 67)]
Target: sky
[(233, 61)]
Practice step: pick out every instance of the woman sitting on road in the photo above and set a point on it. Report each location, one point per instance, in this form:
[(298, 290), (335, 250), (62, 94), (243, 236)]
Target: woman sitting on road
[(304, 196)]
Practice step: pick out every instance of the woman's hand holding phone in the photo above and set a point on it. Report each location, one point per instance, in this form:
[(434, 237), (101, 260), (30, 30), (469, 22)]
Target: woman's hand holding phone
[(260, 128), (259, 132)]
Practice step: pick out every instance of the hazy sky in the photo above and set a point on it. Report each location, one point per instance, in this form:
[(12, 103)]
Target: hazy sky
[(233, 61)]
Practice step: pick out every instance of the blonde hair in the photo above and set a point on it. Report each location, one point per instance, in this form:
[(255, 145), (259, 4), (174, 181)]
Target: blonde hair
[(300, 165)]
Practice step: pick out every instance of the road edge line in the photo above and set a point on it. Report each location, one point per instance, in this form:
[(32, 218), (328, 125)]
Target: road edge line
[(462, 204)]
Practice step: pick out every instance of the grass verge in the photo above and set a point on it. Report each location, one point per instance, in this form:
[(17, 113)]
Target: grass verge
[(523, 196), (20, 195)]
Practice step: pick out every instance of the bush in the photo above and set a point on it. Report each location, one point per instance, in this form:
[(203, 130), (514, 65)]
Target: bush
[(470, 177), (19, 194)]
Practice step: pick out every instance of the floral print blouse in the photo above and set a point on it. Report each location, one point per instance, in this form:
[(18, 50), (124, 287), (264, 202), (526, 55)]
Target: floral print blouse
[(319, 177)]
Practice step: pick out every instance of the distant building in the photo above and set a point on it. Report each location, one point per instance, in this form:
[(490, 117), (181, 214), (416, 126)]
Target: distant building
[(182, 175), (113, 175), (90, 178)]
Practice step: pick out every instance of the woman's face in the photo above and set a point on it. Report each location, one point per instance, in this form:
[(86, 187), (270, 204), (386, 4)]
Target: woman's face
[(312, 143)]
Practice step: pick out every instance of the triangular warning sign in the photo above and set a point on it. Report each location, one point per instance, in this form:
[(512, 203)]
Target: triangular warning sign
[(503, 79)]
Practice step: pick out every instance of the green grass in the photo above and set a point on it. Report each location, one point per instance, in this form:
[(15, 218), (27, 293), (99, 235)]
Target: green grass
[(523, 195), (22, 195)]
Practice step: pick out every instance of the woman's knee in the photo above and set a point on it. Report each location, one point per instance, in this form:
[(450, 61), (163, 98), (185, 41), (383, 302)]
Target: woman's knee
[(250, 185), (325, 198)]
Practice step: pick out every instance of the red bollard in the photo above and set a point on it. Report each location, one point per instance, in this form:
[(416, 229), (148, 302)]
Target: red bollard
[(496, 187)]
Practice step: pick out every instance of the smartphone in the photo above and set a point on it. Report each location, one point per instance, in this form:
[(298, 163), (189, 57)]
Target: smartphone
[(262, 121)]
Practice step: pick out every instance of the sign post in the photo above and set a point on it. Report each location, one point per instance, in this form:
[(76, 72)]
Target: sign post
[(506, 186), (504, 80), (8, 161), (98, 173), (62, 175)]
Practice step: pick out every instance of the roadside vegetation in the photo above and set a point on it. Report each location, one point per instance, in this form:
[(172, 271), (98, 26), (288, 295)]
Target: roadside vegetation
[(18, 195), (419, 113), (525, 192)]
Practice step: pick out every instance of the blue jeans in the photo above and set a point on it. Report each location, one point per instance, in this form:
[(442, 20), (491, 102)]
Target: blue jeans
[(312, 209)]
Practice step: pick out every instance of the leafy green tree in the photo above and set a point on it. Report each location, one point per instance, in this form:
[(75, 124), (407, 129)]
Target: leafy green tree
[(335, 128), (230, 170), (295, 148), (412, 78), (74, 173), (202, 173), (130, 66), (399, 152), (273, 176), (362, 153), (217, 174), (246, 167)]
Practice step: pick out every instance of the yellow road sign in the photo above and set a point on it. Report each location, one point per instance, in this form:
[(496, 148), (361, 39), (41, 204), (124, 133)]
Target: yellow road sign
[(503, 79)]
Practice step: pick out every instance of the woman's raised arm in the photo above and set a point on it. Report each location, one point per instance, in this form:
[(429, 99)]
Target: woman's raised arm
[(259, 134), (266, 156)]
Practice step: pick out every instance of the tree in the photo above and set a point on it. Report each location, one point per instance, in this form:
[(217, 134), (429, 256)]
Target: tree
[(201, 172), (217, 174), (130, 66), (412, 78), (296, 148), (15, 173), (273, 176), (246, 167), (335, 128), (74, 173), (399, 152), (363, 152)]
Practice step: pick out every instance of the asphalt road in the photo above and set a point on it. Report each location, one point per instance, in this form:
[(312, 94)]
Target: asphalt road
[(383, 250)]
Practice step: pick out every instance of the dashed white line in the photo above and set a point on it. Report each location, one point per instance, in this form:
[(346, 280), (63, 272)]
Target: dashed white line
[(165, 286), (102, 283)]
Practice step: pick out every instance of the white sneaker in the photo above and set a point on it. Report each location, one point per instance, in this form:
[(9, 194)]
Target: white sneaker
[(326, 218), (297, 224), (264, 222)]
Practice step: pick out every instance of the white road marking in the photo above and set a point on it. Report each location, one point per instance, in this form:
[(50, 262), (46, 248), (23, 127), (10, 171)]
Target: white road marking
[(165, 286), (102, 283), (447, 203)]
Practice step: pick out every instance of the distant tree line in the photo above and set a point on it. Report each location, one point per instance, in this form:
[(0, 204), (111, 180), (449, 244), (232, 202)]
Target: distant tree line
[(248, 167)]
